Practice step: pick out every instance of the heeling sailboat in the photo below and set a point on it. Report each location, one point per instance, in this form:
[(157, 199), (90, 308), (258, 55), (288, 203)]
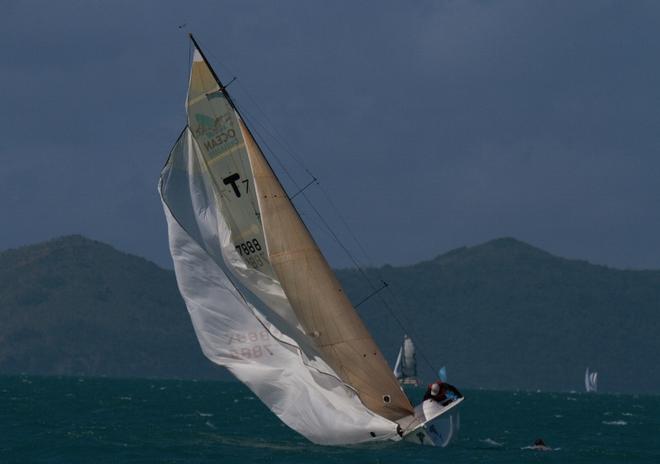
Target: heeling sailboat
[(262, 298)]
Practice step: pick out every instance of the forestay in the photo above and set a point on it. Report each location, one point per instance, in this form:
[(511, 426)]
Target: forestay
[(308, 397)]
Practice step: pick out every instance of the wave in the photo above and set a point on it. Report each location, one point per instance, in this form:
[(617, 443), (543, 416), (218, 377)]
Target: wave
[(539, 448), (491, 442), (615, 422)]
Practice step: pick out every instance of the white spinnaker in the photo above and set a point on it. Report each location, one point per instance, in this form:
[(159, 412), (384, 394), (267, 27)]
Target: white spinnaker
[(234, 334)]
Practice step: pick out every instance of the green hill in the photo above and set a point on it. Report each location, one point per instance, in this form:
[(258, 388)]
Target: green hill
[(500, 315), (507, 315), (75, 306)]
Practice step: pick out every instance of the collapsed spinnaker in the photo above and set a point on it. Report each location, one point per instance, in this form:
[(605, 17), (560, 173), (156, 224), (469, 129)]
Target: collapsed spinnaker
[(291, 379)]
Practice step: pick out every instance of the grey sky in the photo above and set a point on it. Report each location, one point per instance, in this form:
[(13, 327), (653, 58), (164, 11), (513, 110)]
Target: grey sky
[(431, 124)]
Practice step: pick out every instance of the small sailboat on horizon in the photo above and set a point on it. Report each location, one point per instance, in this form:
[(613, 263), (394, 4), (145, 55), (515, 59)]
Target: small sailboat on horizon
[(263, 300), (590, 381)]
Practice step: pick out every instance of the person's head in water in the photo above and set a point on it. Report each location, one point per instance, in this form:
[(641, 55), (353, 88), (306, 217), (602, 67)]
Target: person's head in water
[(539, 442), (435, 389)]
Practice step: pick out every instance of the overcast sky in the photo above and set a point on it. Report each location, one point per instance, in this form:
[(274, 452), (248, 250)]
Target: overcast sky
[(431, 125)]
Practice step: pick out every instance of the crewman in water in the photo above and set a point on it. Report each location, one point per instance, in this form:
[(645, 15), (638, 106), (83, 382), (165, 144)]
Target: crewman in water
[(442, 392), (539, 445)]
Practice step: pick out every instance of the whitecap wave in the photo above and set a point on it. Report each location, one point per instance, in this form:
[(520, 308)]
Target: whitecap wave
[(615, 422), (490, 442), (539, 448)]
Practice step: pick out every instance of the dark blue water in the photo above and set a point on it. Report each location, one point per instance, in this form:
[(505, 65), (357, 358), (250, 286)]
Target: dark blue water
[(69, 420)]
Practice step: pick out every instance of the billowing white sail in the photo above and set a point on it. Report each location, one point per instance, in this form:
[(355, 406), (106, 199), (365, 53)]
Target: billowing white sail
[(590, 381), (405, 369), (306, 394)]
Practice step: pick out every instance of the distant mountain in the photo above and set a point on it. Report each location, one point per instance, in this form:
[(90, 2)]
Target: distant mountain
[(76, 306), (499, 315), (507, 315)]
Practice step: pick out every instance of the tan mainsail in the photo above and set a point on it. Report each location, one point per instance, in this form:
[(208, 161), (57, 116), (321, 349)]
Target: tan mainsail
[(317, 298), (293, 260)]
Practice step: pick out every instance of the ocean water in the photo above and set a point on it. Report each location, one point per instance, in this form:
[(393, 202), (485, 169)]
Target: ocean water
[(85, 420)]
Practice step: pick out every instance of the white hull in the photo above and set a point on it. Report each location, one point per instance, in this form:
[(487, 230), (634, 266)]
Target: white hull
[(433, 424)]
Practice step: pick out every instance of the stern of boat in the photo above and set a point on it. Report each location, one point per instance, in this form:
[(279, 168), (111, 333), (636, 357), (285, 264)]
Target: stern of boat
[(433, 424)]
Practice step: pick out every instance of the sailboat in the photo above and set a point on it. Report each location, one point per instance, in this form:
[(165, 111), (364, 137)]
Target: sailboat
[(590, 381), (263, 301), (405, 368)]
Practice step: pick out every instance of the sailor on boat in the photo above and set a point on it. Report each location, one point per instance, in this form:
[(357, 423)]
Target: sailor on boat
[(442, 392)]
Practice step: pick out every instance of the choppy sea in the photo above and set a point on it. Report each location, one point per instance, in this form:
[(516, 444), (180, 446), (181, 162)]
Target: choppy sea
[(92, 420)]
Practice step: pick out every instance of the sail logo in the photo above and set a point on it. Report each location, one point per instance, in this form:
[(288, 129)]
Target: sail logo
[(219, 131)]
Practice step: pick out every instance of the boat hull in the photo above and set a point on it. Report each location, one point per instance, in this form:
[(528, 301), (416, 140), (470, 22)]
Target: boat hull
[(434, 424)]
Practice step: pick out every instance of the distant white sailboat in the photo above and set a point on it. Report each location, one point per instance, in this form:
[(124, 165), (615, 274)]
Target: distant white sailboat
[(263, 300), (405, 369), (590, 381)]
